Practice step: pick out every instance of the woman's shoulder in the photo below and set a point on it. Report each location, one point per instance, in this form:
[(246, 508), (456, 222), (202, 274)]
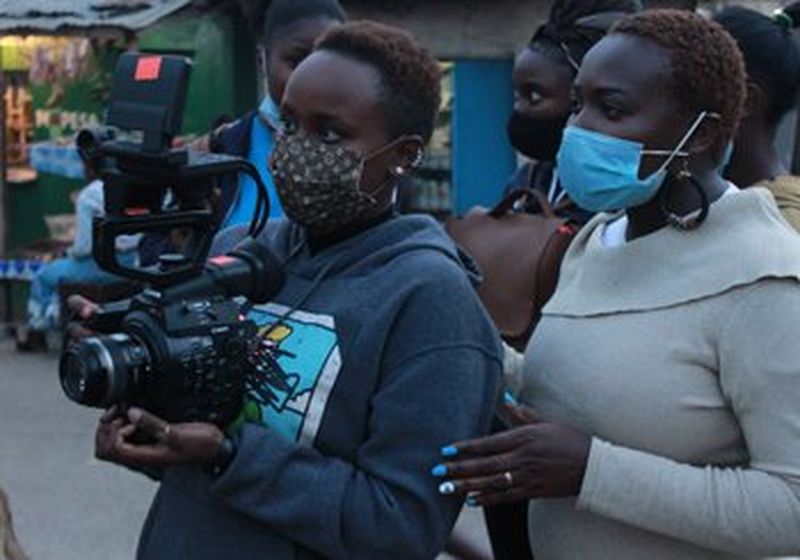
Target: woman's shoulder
[(420, 246), (786, 192), (743, 241), (783, 184)]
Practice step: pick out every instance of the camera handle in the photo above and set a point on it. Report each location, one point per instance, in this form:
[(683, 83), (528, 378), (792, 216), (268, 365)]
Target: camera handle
[(130, 217), (181, 166), (200, 222)]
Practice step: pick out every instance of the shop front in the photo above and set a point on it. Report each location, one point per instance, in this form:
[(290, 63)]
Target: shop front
[(55, 81)]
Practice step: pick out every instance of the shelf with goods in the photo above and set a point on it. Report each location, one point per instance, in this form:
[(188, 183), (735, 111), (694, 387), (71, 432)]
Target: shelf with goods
[(430, 191)]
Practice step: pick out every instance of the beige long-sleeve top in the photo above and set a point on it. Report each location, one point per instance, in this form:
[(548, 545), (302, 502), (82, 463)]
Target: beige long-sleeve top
[(679, 353), (786, 190)]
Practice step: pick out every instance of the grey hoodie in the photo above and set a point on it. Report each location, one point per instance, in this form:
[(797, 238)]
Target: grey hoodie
[(383, 354)]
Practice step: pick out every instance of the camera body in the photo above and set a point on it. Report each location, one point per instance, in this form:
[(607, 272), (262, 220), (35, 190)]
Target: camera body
[(184, 361), (181, 348), (186, 353)]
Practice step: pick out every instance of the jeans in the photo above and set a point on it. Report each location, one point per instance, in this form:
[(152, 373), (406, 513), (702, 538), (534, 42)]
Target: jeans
[(44, 305)]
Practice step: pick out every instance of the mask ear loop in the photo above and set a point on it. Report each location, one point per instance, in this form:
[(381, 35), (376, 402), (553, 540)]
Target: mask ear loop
[(678, 151), (392, 177), (694, 219)]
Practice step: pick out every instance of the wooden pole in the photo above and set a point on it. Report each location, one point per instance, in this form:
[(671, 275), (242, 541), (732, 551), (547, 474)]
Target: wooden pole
[(9, 547), (5, 293), (3, 178)]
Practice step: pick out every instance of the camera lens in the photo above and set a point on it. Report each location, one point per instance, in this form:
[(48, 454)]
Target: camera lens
[(101, 371)]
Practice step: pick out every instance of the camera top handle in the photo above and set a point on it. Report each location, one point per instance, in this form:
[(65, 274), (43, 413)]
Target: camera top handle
[(122, 218)]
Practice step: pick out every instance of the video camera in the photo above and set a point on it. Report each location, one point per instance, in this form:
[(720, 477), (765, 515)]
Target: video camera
[(181, 348)]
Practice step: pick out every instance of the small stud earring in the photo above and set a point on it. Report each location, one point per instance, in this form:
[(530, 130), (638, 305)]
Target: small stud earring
[(399, 171)]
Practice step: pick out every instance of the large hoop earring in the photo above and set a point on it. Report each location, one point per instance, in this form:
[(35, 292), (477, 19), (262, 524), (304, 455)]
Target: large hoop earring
[(694, 219)]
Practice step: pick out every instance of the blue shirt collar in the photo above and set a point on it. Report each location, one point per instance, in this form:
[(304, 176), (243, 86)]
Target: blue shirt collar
[(270, 112)]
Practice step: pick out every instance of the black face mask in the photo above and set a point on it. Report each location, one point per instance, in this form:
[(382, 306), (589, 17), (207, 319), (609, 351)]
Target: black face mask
[(537, 139)]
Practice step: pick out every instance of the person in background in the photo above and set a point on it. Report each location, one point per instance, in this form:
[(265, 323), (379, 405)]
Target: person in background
[(76, 267), (330, 457), (772, 59), (290, 29), (664, 378), (543, 78)]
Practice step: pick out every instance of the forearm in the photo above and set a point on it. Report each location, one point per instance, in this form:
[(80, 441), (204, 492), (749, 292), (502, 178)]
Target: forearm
[(330, 505), (383, 503), (738, 510)]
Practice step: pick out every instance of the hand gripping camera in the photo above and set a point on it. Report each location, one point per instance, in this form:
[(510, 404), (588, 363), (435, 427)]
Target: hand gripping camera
[(181, 348)]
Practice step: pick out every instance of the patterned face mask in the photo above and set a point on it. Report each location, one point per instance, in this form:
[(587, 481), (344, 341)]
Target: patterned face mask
[(318, 183)]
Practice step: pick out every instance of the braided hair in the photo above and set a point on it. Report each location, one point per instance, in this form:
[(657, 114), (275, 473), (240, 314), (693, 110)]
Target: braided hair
[(575, 26)]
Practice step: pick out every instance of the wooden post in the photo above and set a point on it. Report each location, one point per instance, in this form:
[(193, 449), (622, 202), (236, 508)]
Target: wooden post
[(5, 293), (9, 547), (3, 178)]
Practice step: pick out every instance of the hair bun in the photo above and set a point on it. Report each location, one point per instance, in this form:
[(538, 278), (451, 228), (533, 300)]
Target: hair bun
[(788, 17)]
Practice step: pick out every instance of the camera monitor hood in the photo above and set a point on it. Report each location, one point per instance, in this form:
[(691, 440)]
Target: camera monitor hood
[(149, 94)]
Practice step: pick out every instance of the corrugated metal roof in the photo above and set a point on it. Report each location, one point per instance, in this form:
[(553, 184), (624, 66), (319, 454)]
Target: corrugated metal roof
[(52, 16)]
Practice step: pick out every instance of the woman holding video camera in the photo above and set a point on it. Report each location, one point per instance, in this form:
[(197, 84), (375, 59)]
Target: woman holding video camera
[(377, 347)]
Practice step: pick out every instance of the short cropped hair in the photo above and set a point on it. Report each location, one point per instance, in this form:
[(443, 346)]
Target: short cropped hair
[(411, 79), (708, 71)]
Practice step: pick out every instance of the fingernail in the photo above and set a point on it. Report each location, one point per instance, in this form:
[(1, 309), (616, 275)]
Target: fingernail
[(439, 470), (472, 501), (449, 451), (509, 398), (134, 414), (447, 488)]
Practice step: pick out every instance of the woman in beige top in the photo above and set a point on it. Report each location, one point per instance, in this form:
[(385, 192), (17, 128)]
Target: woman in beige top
[(664, 378), (772, 61)]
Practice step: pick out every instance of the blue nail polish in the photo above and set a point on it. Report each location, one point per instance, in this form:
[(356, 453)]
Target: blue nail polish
[(472, 501), (509, 398), (449, 451), (447, 488), (439, 470)]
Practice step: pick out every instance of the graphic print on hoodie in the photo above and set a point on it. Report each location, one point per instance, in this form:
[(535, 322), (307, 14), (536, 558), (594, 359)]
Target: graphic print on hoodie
[(301, 362)]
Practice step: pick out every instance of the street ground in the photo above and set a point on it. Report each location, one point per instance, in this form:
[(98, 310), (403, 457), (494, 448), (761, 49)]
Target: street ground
[(66, 504)]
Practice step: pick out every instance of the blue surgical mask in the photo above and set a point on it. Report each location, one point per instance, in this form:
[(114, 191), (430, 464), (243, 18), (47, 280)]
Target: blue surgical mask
[(601, 172)]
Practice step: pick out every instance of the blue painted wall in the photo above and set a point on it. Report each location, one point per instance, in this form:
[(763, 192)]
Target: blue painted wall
[(483, 158)]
